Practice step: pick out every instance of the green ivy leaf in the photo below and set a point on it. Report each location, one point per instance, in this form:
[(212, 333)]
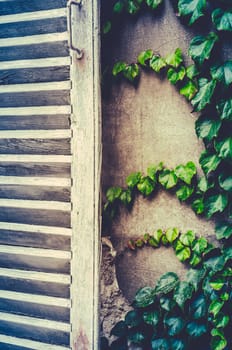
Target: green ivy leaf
[(225, 109), (172, 234), (160, 344), (188, 90), (144, 56), (215, 306), (133, 318), (205, 184), (199, 245), (201, 47), (107, 27), (132, 7), (151, 317), (166, 283), (126, 197), (146, 186), (174, 325), (120, 329), (222, 73), (209, 162), (187, 238), (184, 192), (133, 179), (113, 193), (224, 148), (177, 344), (119, 67), (186, 172), (223, 230), (174, 75), (194, 9), (144, 297), (215, 203), (207, 128), (118, 7), (166, 303), (192, 71), (222, 19), (204, 95), (153, 3), (183, 254), (195, 260), (174, 59), (198, 307), (158, 235), (215, 263), (152, 171), (157, 63), (198, 205), (195, 276), (225, 182), (221, 320), (218, 343), (131, 72), (217, 283), (135, 336), (182, 293), (196, 329), (168, 178)]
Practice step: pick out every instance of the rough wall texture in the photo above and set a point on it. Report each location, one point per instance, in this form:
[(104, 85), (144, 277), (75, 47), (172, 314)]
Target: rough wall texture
[(141, 126)]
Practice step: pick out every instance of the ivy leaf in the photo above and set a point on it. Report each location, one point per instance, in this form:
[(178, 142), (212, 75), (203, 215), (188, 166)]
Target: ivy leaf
[(158, 235), (174, 325), (131, 72), (182, 293), (205, 184), (184, 192), (195, 260), (196, 329), (195, 276), (135, 336), (222, 73), (222, 19), (199, 245), (215, 306), (113, 193), (204, 95), (224, 148), (218, 343), (153, 3), (167, 304), (146, 186), (107, 27), (207, 128), (132, 7), (144, 297), (187, 238), (168, 178), (183, 254), (120, 329), (223, 230), (151, 317), (157, 63), (172, 234), (209, 162), (152, 171), (174, 59), (119, 67), (216, 203), (198, 307), (133, 318), (166, 283), (160, 344), (198, 205), (118, 7), (192, 71), (176, 75), (186, 172), (133, 179), (225, 109), (188, 90), (177, 344), (225, 182), (144, 56), (201, 46), (217, 283), (192, 8), (215, 264), (126, 196)]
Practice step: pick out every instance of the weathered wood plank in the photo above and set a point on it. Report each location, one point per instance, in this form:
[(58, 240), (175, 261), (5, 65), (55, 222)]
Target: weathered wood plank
[(35, 193), (33, 16), (35, 217), (33, 309), (34, 51), (38, 98), (13, 343), (35, 146), (34, 122), (32, 75), (34, 239), (36, 63), (44, 26), (13, 7), (5, 346), (34, 169)]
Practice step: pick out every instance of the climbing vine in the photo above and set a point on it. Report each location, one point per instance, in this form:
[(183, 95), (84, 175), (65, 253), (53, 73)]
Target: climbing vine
[(182, 315)]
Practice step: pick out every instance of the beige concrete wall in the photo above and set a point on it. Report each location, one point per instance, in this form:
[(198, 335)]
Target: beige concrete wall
[(144, 125)]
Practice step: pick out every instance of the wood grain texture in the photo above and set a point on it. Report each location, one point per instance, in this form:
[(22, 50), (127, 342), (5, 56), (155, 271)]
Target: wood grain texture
[(34, 122), (13, 7), (35, 146), (34, 75), (44, 26), (12, 347), (34, 169), (35, 193), (34, 51)]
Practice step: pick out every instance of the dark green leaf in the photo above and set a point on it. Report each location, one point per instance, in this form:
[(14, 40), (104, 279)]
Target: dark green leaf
[(126, 196), (196, 329), (160, 344), (131, 72), (166, 283), (224, 148), (119, 344), (107, 27), (132, 7), (186, 172), (133, 318), (209, 162), (225, 182), (175, 75), (198, 205), (195, 276), (157, 63), (144, 56), (201, 46), (174, 59), (174, 325), (194, 9), (168, 178), (166, 303), (182, 293), (223, 230), (225, 109), (198, 307), (118, 7), (207, 128), (146, 186), (188, 90), (113, 193), (221, 320), (144, 297), (118, 68), (151, 317), (135, 336), (215, 263), (199, 245), (172, 234), (222, 73), (222, 19), (218, 343), (204, 95), (177, 344), (120, 329), (192, 71), (153, 3), (133, 179), (184, 192), (215, 306), (187, 238), (152, 171)]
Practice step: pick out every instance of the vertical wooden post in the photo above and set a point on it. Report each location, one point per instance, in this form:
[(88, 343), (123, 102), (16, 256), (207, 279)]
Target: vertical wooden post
[(86, 164)]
